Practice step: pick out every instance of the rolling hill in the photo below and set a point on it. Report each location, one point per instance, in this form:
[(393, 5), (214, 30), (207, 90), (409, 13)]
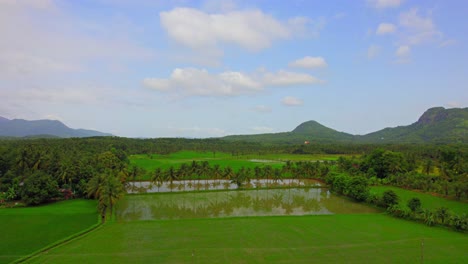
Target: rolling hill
[(436, 125), (42, 128)]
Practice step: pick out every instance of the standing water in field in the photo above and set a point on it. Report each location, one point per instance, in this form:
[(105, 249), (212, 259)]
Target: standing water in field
[(208, 185), (293, 201)]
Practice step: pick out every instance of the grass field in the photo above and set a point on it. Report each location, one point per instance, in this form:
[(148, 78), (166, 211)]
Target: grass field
[(428, 201), (151, 162), (25, 230), (354, 238)]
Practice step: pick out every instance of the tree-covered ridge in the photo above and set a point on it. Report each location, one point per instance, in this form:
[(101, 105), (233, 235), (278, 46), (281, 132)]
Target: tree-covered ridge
[(42, 128), (436, 125)]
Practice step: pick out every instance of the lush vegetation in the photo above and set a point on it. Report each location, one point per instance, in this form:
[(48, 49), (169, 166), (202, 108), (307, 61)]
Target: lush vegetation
[(37, 171), (351, 238), (25, 230)]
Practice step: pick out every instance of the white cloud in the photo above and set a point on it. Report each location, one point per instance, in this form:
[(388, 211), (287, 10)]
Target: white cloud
[(385, 28), (453, 104), (200, 82), (403, 51), (192, 81), (291, 101), (419, 29), (262, 109), (250, 29), (373, 51), (287, 78), (403, 55), (39, 37), (36, 4), (309, 62), (448, 42), (381, 4)]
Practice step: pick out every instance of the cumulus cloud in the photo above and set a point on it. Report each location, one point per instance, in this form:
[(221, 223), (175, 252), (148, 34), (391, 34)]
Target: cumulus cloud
[(249, 29), (287, 78), (403, 54), (291, 101), (309, 62), (381, 4), (200, 82), (419, 29), (385, 28), (448, 42), (192, 81), (373, 51), (35, 45), (403, 51)]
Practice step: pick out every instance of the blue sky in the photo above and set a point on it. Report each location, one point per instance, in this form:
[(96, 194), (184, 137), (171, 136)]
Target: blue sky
[(140, 68)]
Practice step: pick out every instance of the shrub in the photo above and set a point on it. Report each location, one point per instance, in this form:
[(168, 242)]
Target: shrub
[(459, 223), (358, 188), (38, 188), (414, 204), (389, 198)]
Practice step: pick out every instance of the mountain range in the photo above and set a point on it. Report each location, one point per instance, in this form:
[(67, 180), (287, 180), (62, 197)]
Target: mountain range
[(42, 128), (436, 125)]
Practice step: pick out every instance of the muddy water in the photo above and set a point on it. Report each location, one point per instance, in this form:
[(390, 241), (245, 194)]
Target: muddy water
[(292, 201)]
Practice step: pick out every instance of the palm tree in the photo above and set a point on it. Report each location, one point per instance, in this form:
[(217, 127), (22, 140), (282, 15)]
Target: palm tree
[(171, 176), (107, 188), (158, 178), (111, 191)]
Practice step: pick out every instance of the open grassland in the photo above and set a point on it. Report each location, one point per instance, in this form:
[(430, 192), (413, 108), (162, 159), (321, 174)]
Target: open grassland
[(150, 162), (355, 238), (25, 230), (428, 201)]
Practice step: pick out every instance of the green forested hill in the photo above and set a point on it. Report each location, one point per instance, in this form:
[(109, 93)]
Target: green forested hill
[(436, 125)]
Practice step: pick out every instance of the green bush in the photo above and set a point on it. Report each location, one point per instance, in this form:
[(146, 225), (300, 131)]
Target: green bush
[(39, 188), (389, 198)]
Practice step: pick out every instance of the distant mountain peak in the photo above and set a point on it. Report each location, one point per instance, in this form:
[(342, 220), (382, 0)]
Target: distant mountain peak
[(311, 126), (42, 128), (433, 115), (3, 119), (435, 125)]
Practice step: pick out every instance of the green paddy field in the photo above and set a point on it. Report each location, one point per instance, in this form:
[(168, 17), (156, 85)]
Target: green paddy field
[(150, 162), (25, 230), (368, 236)]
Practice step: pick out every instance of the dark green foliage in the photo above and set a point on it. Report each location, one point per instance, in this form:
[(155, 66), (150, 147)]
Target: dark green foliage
[(340, 184), (358, 188), (39, 188), (414, 204), (389, 198), (384, 163), (459, 222)]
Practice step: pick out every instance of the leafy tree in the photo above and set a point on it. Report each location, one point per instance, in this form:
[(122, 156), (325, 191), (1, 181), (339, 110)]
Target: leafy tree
[(390, 198), (340, 183), (107, 189), (358, 188), (414, 204), (38, 188), (111, 191)]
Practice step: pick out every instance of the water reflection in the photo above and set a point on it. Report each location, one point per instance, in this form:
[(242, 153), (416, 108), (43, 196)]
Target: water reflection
[(292, 201), (200, 185)]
